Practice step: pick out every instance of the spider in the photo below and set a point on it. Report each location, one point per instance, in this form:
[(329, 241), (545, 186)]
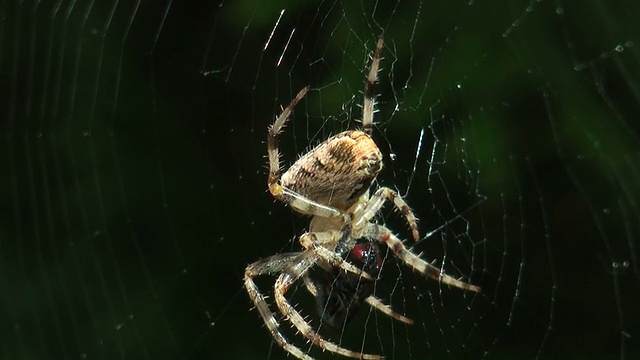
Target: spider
[(332, 183)]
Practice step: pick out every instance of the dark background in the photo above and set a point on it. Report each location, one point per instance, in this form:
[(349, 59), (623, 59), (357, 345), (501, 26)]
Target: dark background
[(135, 172)]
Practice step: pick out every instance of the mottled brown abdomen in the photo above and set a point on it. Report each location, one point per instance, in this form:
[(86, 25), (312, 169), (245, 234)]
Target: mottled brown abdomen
[(338, 171)]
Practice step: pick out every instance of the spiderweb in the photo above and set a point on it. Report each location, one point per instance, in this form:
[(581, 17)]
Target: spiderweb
[(135, 173)]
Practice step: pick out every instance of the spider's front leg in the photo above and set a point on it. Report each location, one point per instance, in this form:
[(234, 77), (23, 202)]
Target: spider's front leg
[(385, 236), (284, 282), (373, 301), (292, 266), (269, 266), (320, 242), (376, 303)]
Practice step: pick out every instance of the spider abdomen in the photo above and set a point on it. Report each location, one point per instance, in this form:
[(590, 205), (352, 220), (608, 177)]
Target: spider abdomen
[(336, 172)]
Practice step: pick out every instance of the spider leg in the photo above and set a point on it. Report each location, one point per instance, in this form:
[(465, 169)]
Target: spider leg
[(376, 303), (285, 280), (368, 108), (295, 200), (376, 202), (413, 260), (304, 205), (373, 301), (273, 264), (310, 285), (268, 266), (274, 133), (314, 241)]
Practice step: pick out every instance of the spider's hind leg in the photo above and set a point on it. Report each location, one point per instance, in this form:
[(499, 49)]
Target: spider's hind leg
[(368, 108), (375, 203), (298, 202), (272, 140)]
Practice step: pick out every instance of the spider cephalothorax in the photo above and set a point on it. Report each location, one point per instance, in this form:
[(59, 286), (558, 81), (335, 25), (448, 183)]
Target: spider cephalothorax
[(332, 183)]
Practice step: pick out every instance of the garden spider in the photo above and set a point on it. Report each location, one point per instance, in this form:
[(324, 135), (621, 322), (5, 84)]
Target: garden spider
[(331, 183)]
